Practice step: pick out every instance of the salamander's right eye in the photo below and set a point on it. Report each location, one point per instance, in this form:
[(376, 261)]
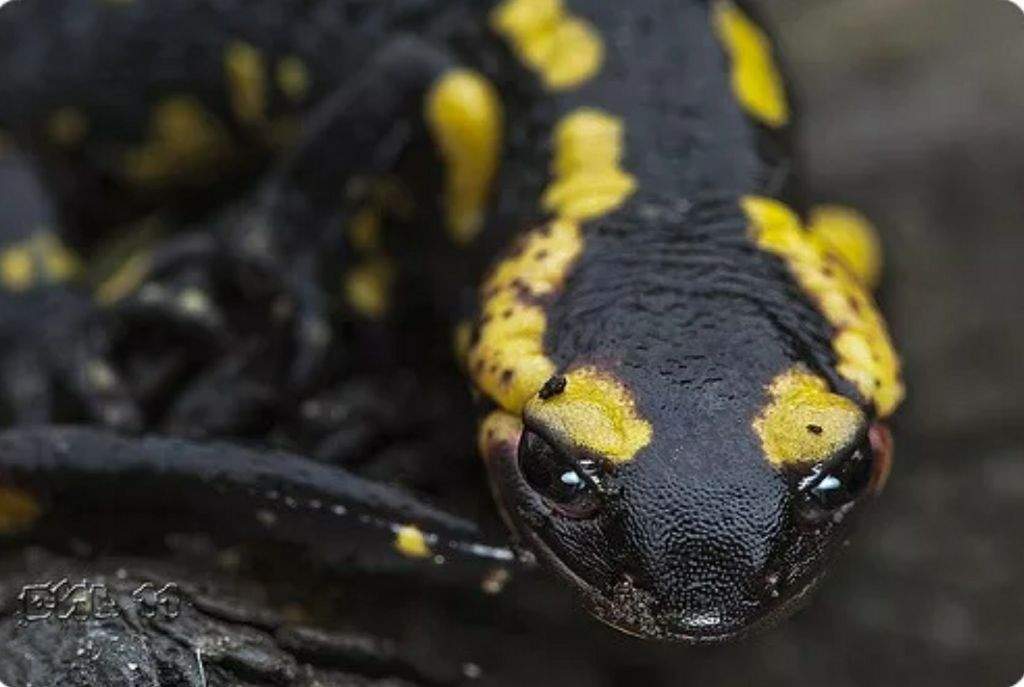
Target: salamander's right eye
[(556, 478)]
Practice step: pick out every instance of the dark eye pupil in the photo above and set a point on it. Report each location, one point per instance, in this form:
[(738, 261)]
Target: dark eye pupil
[(842, 483), (554, 477)]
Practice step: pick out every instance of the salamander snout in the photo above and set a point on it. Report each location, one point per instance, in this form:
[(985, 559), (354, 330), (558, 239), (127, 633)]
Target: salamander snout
[(664, 549)]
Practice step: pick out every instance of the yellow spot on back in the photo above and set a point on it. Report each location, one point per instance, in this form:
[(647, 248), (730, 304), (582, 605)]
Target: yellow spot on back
[(805, 423), (186, 143), (411, 542), (589, 180), (862, 344), (368, 288), (293, 79), (756, 80), (852, 237), (364, 230), (466, 119), (508, 361), (564, 50), (67, 127), (17, 269), (246, 72), (18, 510), (596, 412), (125, 280), (40, 259)]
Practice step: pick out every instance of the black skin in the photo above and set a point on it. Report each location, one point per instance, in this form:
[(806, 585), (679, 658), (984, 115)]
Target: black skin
[(697, 538)]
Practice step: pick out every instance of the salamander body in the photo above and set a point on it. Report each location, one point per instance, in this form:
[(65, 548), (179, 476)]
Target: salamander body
[(681, 372)]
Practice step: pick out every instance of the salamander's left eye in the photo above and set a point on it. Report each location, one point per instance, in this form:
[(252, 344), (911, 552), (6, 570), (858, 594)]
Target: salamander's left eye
[(556, 478)]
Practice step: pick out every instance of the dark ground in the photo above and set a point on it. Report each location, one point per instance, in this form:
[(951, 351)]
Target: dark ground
[(913, 113)]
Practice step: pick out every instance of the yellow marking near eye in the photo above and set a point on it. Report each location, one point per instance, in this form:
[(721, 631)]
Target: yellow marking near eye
[(246, 73), (589, 180), (18, 510), (411, 542), (508, 362), (17, 269), (756, 80), (40, 259), (499, 431), (67, 127), (862, 344), (596, 412), (852, 237), (293, 79), (368, 288), (465, 117), (564, 50), (805, 423), (186, 143)]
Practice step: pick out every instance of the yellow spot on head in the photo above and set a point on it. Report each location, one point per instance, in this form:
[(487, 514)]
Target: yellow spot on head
[(866, 355), (67, 127), (246, 71), (411, 542), (368, 287), (186, 144), (293, 79), (756, 80), (852, 237), (508, 361), (564, 50), (18, 510), (589, 180), (595, 412), (17, 269), (465, 117), (805, 423)]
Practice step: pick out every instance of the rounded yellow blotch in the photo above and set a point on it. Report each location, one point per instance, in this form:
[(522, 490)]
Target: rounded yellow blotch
[(499, 430), (18, 510), (564, 50), (588, 178), (805, 423), (67, 127), (411, 542), (293, 79), (58, 261), (186, 143), (756, 79), (246, 73), (508, 362), (465, 118), (368, 288), (852, 237), (17, 269), (862, 344), (596, 412)]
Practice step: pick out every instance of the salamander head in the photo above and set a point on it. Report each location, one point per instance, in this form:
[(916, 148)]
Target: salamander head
[(693, 460)]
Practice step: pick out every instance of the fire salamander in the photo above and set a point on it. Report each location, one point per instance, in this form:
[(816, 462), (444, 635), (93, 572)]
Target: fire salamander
[(681, 370)]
